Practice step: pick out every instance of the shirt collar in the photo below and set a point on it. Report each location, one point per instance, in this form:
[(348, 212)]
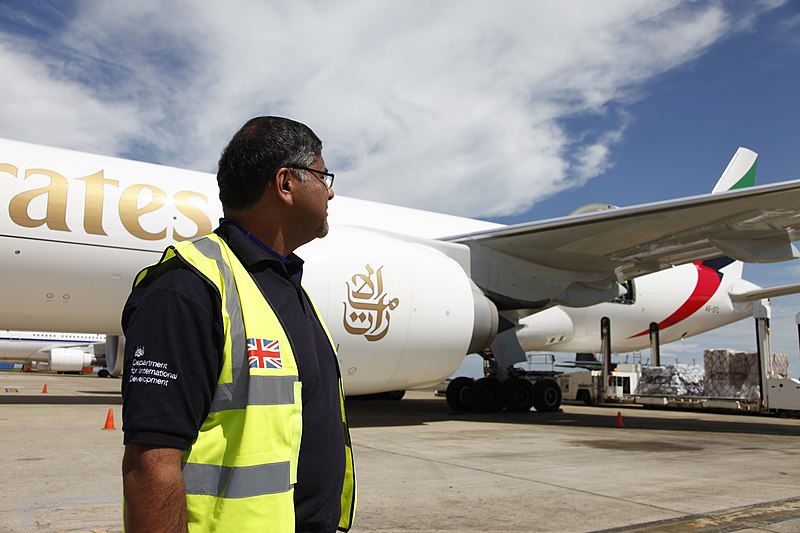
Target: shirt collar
[(250, 249), (284, 260)]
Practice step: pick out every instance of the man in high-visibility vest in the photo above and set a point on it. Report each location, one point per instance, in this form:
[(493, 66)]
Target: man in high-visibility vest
[(233, 410)]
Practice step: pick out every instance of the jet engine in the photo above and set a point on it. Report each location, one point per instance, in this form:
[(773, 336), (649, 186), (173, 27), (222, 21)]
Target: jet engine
[(69, 359), (403, 312)]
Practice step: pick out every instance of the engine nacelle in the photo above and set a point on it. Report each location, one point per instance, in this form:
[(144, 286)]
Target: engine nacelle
[(402, 313), (543, 329), (69, 359)]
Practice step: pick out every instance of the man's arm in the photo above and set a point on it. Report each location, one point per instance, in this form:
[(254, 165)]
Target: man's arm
[(155, 500)]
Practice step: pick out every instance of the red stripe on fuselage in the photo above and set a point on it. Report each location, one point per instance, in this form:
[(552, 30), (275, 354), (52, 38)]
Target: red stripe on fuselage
[(708, 281)]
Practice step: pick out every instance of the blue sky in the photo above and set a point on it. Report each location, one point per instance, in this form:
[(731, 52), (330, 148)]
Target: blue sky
[(687, 122), (509, 110)]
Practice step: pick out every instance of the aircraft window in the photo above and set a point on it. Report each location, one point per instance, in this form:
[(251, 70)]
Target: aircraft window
[(630, 293)]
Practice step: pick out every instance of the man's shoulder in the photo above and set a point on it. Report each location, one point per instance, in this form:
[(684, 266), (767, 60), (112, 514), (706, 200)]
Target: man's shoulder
[(174, 275), (172, 285), (167, 271)]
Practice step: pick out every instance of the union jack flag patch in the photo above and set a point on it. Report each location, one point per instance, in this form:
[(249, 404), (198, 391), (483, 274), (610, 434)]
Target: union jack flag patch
[(264, 353)]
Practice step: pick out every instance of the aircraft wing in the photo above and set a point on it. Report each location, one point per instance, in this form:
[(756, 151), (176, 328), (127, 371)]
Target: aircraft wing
[(588, 254)]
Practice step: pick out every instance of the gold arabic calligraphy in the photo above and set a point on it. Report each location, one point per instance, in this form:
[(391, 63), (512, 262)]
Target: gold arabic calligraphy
[(366, 311)]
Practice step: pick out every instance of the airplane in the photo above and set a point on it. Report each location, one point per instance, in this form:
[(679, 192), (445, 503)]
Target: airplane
[(53, 350), (406, 293)]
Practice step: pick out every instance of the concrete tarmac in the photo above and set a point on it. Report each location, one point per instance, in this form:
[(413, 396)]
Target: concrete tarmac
[(423, 468)]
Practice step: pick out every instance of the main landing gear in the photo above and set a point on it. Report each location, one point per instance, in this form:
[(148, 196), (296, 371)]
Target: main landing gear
[(515, 395), (504, 386)]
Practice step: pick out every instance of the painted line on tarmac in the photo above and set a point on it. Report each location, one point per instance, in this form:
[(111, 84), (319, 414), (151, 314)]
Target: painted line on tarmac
[(737, 519)]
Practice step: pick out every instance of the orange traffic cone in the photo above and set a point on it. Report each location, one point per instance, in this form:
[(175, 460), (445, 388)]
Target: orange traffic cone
[(110, 419), (44, 389), (619, 420)]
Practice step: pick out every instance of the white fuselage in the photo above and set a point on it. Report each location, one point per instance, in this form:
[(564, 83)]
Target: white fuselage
[(75, 230), (33, 346), (689, 299)]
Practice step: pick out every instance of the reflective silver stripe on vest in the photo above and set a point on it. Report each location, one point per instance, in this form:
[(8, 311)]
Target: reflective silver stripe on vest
[(237, 481), (245, 389), (211, 249), (262, 390)]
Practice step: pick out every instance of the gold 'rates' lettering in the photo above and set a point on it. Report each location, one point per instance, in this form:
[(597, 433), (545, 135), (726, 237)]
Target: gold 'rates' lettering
[(188, 203), (9, 169), (192, 213), (56, 211), (130, 212), (93, 210)]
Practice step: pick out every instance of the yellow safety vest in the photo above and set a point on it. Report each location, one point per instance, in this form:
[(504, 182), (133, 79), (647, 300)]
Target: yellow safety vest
[(241, 470)]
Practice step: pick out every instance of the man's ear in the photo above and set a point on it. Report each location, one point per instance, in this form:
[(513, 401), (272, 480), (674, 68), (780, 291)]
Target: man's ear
[(285, 182)]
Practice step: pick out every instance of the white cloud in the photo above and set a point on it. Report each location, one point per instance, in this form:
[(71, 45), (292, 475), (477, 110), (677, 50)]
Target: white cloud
[(453, 105), (37, 104)]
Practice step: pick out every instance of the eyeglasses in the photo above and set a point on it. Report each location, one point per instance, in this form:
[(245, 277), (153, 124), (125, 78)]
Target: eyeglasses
[(325, 177)]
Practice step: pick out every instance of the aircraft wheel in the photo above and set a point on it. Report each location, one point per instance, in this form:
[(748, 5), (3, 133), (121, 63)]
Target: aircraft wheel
[(517, 395), (546, 396), (458, 394), (103, 373), (486, 396)]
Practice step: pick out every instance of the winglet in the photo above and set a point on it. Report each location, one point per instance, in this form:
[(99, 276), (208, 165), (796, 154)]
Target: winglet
[(740, 172)]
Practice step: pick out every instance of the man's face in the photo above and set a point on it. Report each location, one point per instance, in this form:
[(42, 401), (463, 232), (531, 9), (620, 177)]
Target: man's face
[(312, 201)]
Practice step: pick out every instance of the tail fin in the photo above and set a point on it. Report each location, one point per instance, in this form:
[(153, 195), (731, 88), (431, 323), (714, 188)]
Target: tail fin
[(740, 172)]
